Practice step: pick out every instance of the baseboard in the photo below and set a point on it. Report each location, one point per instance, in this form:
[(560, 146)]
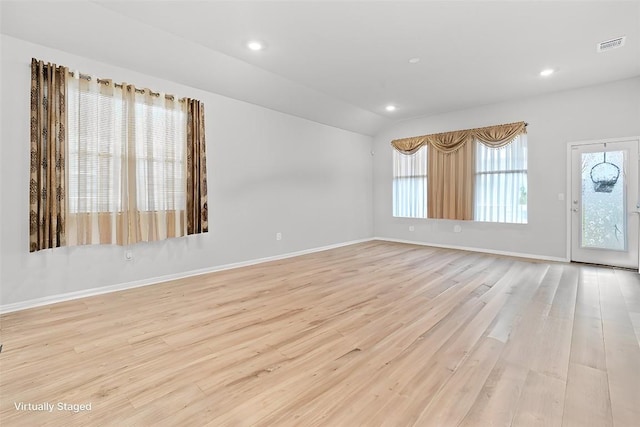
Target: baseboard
[(472, 249), (53, 299)]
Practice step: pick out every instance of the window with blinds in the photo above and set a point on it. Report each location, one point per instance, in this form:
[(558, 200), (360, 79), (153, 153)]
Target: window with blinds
[(104, 136), (501, 182), (160, 156), (410, 184), (96, 135)]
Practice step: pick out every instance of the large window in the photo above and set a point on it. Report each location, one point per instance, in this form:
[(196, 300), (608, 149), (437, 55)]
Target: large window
[(501, 182), (112, 163), (95, 135), (410, 184), (160, 156), (104, 134), (472, 174), (126, 164)]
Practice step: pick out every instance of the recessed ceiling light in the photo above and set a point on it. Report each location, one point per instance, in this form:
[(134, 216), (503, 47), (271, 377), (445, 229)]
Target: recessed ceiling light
[(390, 108), (414, 60), (255, 45), (547, 72)]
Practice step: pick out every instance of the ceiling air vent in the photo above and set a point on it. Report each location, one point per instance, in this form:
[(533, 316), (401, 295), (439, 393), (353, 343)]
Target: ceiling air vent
[(611, 44)]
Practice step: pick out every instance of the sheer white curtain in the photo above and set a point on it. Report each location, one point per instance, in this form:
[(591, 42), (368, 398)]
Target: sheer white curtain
[(410, 184), (501, 182), (158, 126), (125, 164)]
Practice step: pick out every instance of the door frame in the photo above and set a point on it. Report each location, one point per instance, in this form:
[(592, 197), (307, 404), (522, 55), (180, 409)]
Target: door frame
[(570, 145)]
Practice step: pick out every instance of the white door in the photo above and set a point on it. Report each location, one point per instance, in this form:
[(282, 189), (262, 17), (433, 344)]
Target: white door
[(604, 203)]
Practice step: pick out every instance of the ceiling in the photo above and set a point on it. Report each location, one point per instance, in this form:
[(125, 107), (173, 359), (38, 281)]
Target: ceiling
[(342, 62)]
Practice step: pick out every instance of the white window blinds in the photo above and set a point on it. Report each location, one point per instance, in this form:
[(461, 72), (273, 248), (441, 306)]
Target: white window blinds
[(126, 167), (160, 154), (410, 184), (96, 136), (501, 182), (99, 126)]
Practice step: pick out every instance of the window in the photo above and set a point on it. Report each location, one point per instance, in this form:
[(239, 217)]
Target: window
[(112, 164), (100, 126), (501, 182), (410, 184), (473, 174), (95, 143), (126, 164), (160, 156)]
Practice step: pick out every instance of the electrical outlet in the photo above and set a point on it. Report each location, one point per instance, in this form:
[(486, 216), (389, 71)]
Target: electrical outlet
[(457, 229), (128, 255), (278, 236), (411, 228)]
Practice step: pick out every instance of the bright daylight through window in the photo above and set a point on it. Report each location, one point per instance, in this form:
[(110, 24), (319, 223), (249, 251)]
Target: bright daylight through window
[(410, 184), (501, 182), (99, 126)]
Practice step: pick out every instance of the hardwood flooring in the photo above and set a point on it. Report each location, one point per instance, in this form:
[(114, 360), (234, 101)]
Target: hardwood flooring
[(374, 334)]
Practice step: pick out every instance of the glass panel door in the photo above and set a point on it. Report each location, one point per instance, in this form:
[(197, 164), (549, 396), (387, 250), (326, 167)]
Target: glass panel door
[(604, 203)]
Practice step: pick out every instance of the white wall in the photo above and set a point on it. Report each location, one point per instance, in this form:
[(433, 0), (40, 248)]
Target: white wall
[(604, 111), (268, 172)]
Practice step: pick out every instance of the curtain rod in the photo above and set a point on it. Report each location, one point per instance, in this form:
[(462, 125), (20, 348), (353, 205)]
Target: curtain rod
[(118, 85), (106, 82)]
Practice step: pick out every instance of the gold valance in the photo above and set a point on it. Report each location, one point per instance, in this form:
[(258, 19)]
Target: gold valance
[(448, 142)]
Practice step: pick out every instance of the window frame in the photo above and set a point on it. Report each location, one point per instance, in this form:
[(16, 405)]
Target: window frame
[(506, 172), (113, 205), (396, 210)]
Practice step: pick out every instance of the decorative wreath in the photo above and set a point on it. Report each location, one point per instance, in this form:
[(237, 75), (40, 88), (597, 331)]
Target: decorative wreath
[(604, 176)]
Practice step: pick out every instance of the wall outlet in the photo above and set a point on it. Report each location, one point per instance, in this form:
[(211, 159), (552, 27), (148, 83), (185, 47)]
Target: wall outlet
[(560, 196), (411, 228), (457, 229), (128, 255), (278, 236)]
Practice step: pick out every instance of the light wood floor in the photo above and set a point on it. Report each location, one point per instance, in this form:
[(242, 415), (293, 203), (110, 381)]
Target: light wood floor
[(370, 334)]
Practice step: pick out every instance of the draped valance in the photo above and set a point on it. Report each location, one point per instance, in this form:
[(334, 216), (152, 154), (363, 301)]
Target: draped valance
[(448, 142)]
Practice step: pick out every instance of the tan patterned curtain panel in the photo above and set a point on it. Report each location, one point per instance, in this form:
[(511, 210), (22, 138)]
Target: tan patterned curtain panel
[(197, 206), (448, 142), (48, 147)]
